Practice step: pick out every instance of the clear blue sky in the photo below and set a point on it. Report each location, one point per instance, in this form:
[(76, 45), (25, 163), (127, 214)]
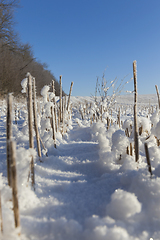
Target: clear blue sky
[(78, 39)]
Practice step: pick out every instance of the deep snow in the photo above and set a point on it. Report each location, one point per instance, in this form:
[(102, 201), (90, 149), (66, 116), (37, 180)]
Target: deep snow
[(84, 189)]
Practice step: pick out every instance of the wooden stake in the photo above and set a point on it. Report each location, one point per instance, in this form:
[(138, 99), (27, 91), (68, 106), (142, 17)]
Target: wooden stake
[(1, 219), (118, 116), (69, 96), (64, 110), (54, 102), (59, 119), (60, 98), (62, 114), (148, 158), (127, 132), (127, 151), (53, 126), (32, 173), (15, 114), (101, 112), (131, 152), (65, 101), (30, 125), (94, 117), (158, 142), (14, 185), (108, 123), (135, 113), (30, 112), (140, 130), (64, 117), (35, 119), (9, 136), (91, 120), (158, 96)]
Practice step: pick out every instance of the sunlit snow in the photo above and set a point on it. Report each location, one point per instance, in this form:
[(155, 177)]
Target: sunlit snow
[(88, 187)]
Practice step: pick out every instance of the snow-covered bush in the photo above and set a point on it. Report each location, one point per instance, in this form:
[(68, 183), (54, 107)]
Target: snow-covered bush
[(107, 91)]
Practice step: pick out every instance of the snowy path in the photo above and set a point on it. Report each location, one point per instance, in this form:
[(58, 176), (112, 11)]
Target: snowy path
[(69, 185)]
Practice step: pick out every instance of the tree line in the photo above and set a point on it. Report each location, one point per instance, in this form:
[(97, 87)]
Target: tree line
[(16, 59)]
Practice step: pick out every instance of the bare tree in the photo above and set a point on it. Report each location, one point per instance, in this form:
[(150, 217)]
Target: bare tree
[(16, 59), (7, 33)]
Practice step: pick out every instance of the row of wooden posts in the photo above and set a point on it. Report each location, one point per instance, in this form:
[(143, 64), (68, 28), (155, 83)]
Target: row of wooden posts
[(11, 167), (11, 145), (137, 131), (98, 114)]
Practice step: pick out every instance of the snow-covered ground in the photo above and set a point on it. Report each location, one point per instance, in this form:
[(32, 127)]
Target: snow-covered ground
[(88, 187)]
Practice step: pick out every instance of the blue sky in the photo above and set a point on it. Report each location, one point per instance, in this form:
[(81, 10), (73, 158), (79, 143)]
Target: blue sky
[(78, 39)]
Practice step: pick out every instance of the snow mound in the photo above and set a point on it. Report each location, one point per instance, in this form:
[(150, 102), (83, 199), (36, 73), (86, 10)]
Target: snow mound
[(123, 205), (119, 141)]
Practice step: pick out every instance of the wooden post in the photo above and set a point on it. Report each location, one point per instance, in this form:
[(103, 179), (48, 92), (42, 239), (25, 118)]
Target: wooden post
[(118, 116), (148, 158), (63, 122), (9, 136), (69, 96), (14, 185), (94, 117), (30, 112), (30, 125), (32, 173), (19, 113), (127, 150), (53, 126), (91, 119), (15, 114), (60, 98), (62, 114), (35, 119), (135, 113), (131, 152), (158, 96), (59, 118), (127, 132), (108, 122), (158, 142), (65, 100), (140, 130), (54, 102), (1, 219), (101, 111)]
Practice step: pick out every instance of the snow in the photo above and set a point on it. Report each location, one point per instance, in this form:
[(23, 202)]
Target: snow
[(44, 92), (123, 205), (88, 187), (24, 85)]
